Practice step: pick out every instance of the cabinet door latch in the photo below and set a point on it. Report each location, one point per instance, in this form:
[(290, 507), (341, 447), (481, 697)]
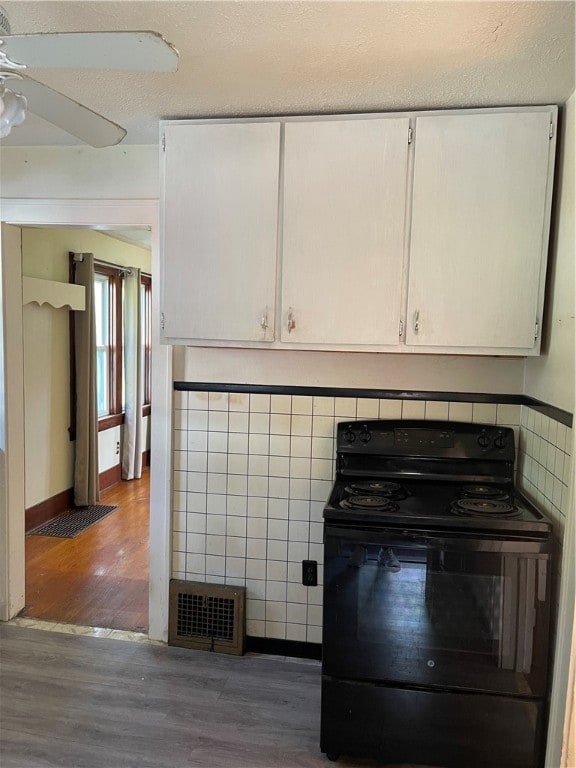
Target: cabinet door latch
[(401, 329), (536, 330), (264, 320), (162, 320), (410, 135)]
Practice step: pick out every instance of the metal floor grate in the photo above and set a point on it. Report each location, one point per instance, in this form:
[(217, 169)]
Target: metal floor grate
[(207, 616), (71, 523)]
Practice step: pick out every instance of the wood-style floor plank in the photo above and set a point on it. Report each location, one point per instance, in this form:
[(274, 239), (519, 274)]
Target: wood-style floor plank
[(85, 702), (99, 578)]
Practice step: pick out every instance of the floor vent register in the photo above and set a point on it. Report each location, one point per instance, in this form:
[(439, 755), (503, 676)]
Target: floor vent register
[(208, 617)]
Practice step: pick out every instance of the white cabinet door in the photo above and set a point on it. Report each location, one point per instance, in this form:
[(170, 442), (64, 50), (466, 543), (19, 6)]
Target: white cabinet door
[(220, 220), (479, 229), (343, 231)]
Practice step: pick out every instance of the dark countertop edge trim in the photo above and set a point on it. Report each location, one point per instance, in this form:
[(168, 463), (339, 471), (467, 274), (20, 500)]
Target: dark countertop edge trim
[(295, 648), (564, 417), (558, 414)]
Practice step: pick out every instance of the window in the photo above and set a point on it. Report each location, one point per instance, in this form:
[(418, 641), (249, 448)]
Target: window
[(103, 347), (146, 325), (108, 312), (108, 295)]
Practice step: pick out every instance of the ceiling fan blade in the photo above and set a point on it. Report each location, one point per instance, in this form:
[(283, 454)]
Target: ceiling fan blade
[(130, 51), (67, 114)]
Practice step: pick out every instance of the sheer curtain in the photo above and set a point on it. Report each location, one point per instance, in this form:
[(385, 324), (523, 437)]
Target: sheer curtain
[(86, 485), (133, 378)]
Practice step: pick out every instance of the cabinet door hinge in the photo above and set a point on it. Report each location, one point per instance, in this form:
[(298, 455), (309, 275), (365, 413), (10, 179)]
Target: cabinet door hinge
[(536, 330), (162, 320), (401, 329), (410, 135), (551, 132), (163, 142)]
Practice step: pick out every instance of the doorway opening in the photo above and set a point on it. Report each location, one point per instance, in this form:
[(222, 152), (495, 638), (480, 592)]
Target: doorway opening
[(83, 214), (99, 578)]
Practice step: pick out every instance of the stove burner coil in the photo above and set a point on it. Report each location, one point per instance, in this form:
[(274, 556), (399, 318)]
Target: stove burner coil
[(383, 488), (369, 503), (484, 492), (483, 508)]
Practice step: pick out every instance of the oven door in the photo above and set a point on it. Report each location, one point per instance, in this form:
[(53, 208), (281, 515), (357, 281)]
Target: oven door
[(442, 610)]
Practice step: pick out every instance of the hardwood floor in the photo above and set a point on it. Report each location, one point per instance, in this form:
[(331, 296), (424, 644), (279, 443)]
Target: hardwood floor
[(85, 702), (99, 578)]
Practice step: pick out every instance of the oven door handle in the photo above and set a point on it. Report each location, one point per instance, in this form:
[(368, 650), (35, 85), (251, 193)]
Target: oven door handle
[(431, 540)]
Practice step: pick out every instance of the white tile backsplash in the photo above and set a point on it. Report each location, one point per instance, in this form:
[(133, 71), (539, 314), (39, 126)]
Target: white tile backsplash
[(301, 425), (345, 407), (260, 422), (302, 404), (280, 423), (413, 409), (259, 403), (238, 422), (436, 410), (218, 401), (459, 411), (484, 413), (390, 409), (256, 551), (281, 404), (252, 473), (217, 421), (367, 408), (238, 402), (323, 406), (544, 465)]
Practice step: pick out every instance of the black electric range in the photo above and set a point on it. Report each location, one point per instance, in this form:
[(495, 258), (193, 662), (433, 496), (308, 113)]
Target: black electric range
[(436, 599)]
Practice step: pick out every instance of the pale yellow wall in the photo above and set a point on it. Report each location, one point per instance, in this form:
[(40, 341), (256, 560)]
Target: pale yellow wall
[(49, 451), (45, 251)]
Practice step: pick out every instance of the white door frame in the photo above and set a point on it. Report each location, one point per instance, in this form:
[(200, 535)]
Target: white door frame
[(89, 214)]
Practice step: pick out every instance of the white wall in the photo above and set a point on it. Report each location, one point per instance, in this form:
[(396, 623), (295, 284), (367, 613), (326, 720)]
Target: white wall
[(349, 369), (12, 552), (124, 172), (550, 377)]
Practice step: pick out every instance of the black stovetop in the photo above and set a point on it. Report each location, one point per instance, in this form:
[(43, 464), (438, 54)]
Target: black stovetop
[(435, 464), (433, 504)]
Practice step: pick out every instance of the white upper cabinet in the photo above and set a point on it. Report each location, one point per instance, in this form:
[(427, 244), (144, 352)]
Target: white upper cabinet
[(423, 232), (343, 228), (479, 230), (219, 231)]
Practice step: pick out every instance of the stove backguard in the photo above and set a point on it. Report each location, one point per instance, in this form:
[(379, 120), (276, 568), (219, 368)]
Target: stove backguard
[(426, 450)]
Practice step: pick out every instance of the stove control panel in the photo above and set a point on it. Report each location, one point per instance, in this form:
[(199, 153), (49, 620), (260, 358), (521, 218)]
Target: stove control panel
[(426, 439), (418, 438)]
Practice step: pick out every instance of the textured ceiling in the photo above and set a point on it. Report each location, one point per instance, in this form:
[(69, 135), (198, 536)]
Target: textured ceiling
[(291, 57)]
